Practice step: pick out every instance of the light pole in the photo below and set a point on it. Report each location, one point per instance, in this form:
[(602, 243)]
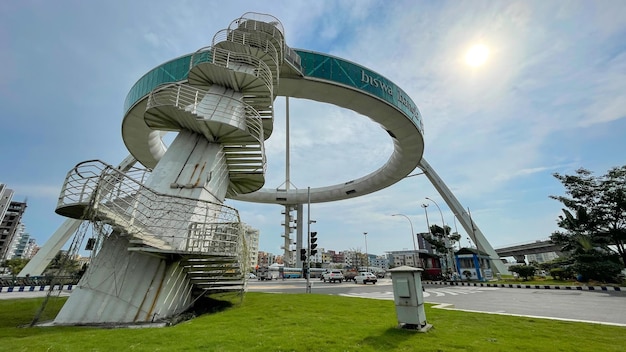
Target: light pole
[(366, 256), (305, 266), (427, 224), (412, 237), (430, 231), (445, 236), (443, 224)]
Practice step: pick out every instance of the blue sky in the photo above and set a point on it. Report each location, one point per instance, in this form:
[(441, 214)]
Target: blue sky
[(550, 98)]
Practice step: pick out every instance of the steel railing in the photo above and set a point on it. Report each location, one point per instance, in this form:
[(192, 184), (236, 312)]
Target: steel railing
[(292, 57), (240, 62), (207, 105), (249, 39), (152, 217), (265, 23), (195, 100)]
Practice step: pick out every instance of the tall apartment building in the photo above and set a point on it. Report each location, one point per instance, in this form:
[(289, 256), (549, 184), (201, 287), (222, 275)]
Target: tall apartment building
[(6, 195), (252, 241), (25, 247), (9, 227), (12, 252), (353, 258)]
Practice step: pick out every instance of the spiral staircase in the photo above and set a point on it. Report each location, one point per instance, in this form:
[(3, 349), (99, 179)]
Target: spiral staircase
[(228, 99)]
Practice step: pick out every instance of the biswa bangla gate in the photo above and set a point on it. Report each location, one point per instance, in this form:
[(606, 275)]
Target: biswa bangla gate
[(166, 238)]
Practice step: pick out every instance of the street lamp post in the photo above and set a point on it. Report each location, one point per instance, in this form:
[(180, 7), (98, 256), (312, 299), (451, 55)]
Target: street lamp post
[(445, 236), (412, 237), (443, 224), (427, 224), (430, 231), (366, 256)]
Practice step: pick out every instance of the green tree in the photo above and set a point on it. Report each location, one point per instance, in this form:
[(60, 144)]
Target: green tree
[(15, 265), (593, 221), (62, 265), (455, 238), (437, 237)]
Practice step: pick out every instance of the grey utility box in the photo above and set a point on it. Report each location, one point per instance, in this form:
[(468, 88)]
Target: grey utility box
[(408, 297)]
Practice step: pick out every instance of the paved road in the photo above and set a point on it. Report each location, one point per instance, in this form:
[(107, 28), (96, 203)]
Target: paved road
[(593, 306)]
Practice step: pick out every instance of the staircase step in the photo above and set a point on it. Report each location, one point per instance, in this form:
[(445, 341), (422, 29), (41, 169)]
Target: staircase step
[(218, 286)]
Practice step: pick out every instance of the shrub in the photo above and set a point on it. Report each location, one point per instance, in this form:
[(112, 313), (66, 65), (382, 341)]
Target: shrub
[(526, 272), (561, 273), (598, 266)]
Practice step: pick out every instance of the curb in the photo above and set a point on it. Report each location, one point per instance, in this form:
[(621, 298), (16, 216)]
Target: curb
[(546, 287), (38, 288)]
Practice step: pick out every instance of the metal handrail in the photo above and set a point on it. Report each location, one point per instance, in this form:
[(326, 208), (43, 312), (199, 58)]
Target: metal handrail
[(293, 57), (235, 61), (250, 39), (215, 238), (260, 22), (192, 99), (139, 211)]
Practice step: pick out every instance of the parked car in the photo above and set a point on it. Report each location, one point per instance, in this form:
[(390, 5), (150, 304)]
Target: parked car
[(251, 276), (334, 275), (365, 277)]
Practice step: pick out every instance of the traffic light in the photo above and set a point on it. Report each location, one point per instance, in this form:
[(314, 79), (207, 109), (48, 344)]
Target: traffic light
[(303, 254), (313, 244)]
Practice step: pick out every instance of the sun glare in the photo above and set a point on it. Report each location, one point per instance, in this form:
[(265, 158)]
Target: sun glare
[(477, 55)]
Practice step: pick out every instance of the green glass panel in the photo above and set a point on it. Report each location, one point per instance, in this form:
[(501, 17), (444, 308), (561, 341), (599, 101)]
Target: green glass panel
[(169, 72), (313, 65), (350, 74)]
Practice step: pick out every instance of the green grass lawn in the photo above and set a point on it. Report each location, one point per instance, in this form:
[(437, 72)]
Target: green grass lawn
[(301, 322)]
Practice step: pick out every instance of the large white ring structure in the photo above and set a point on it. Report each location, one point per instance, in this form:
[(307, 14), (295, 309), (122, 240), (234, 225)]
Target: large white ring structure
[(322, 78)]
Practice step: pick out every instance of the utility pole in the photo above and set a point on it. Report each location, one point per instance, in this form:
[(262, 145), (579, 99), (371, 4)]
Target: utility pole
[(366, 256), (306, 264)]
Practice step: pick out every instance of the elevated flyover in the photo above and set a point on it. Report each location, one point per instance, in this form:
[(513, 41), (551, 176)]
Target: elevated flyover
[(518, 251)]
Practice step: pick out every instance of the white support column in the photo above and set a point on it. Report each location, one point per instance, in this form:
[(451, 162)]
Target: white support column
[(122, 286), (44, 256), (468, 224)]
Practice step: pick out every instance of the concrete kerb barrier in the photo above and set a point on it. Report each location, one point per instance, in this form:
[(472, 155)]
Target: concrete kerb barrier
[(546, 287), (38, 288)]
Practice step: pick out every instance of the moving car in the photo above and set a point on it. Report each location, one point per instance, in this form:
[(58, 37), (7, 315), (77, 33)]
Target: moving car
[(365, 277), (333, 275)]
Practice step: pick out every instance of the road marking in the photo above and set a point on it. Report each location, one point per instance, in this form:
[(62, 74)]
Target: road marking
[(388, 295)]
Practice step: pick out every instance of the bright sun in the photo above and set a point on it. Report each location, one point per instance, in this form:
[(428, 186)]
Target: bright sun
[(477, 55)]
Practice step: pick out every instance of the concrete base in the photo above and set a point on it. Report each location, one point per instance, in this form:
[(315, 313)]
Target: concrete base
[(416, 328)]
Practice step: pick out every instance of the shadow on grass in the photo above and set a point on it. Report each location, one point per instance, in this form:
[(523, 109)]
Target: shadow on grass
[(204, 305), (390, 339), (208, 305)]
